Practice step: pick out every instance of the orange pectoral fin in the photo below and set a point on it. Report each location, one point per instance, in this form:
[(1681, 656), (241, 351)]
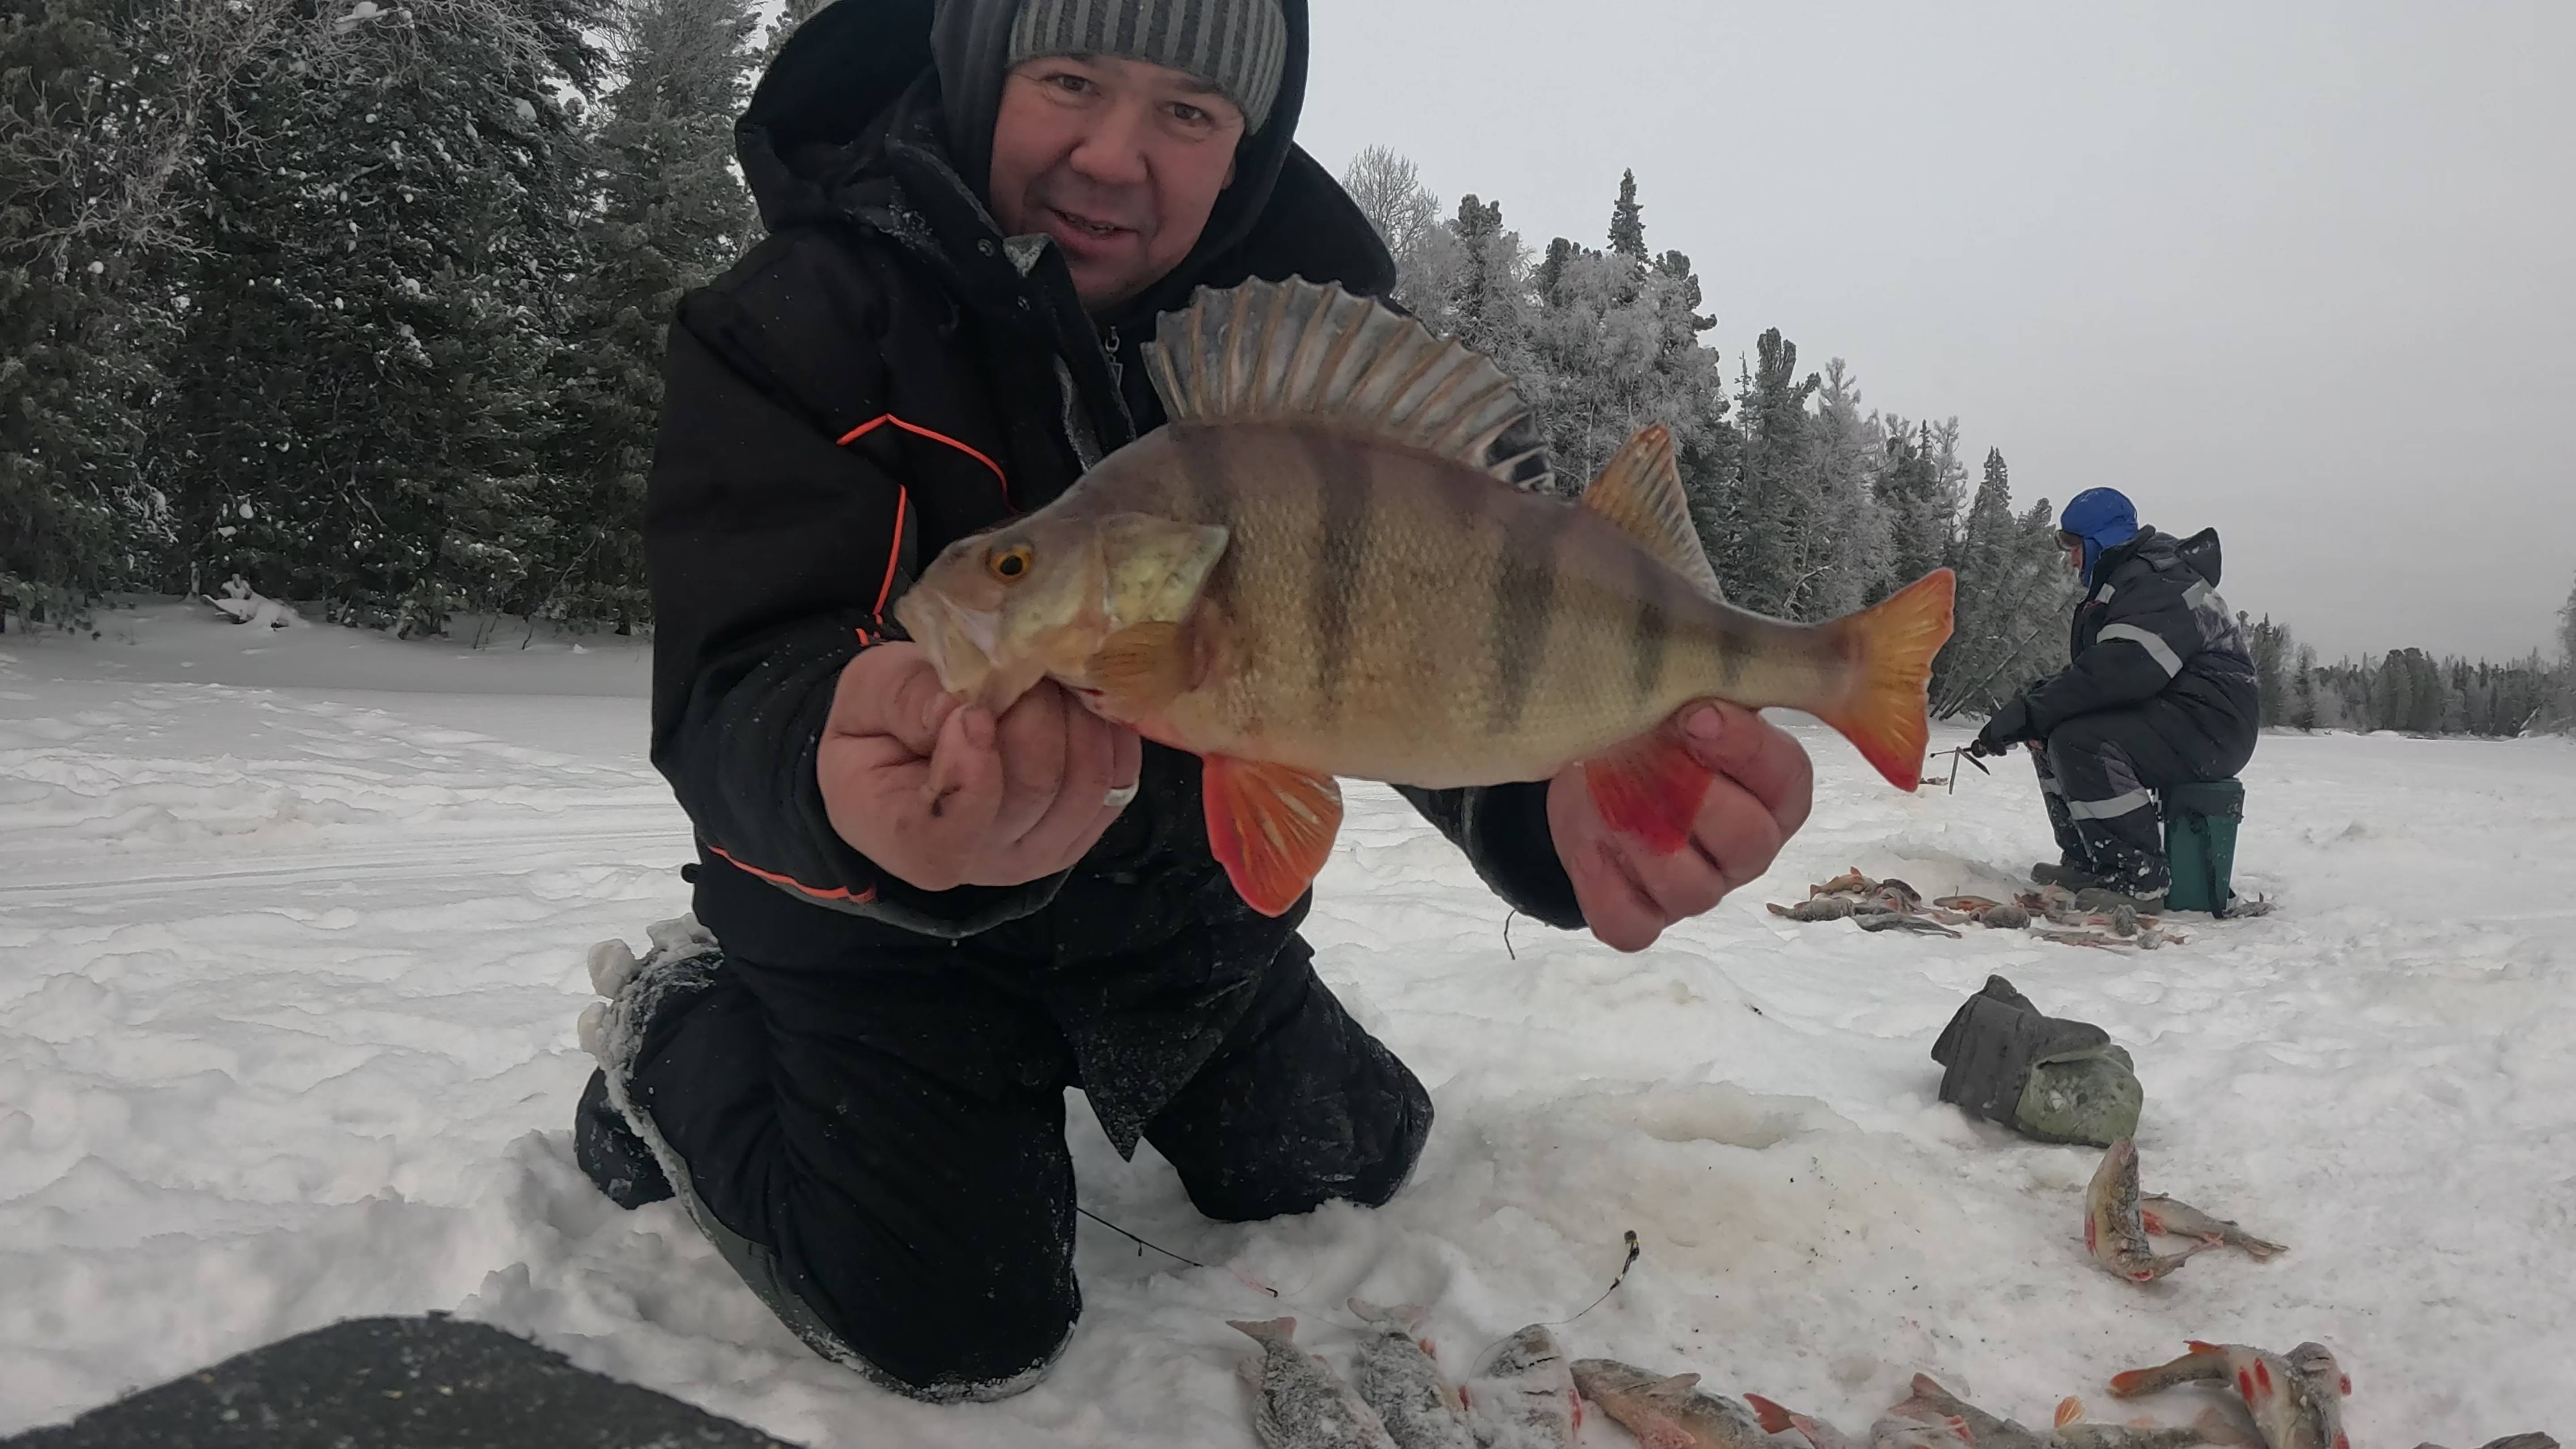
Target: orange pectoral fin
[(1650, 788), (1271, 827), (1142, 668)]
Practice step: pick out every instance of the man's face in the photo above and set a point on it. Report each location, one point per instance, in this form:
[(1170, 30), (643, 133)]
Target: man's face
[(1119, 160), (2074, 553)]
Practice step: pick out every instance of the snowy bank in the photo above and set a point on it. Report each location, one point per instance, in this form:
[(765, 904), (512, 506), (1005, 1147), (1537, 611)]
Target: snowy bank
[(291, 937)]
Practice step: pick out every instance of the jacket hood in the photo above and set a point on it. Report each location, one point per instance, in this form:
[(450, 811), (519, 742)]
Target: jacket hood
[(2164, 553), (815, 128)]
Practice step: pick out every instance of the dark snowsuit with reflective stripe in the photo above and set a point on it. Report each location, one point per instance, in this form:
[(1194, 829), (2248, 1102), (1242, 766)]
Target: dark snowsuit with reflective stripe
[(2160, 691), (868, 1094)]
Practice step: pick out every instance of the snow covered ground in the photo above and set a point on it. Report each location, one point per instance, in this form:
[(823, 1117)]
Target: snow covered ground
[(291, 937)]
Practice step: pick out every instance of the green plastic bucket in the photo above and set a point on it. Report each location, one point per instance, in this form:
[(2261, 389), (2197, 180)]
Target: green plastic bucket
[(2200, 823)]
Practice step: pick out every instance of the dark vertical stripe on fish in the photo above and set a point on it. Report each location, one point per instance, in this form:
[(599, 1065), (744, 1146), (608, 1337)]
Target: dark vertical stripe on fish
[(1523, 606), (1211, 497), (1734, 652), (1342, 479), (1653, 630), (1210, 501)]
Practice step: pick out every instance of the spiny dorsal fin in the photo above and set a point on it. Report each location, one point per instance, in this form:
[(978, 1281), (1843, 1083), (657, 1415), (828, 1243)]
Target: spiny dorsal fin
[(1640, 490), (1277, 351)]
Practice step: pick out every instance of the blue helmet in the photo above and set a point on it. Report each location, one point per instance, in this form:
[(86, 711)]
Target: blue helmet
[(2101, 518)]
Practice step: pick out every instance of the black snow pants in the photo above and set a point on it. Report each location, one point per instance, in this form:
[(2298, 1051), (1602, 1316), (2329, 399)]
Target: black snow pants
[(885, 1136), (2096, 772)]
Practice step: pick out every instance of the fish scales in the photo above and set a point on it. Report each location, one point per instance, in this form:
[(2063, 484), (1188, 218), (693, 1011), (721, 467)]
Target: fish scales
[(1668, 1412), (2296, 1399), (1298, 1402), (1396, 1376), (1523, 1396), (1417, 672)]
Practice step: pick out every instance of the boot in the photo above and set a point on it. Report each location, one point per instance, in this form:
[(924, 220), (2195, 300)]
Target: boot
[(2111, 898), (610, 1152), (2073, 875), (2132, 877)]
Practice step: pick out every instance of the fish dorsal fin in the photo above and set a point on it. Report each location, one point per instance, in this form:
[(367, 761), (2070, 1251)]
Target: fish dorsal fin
[(1296, 350), (1674, 1387), (1640, 490)]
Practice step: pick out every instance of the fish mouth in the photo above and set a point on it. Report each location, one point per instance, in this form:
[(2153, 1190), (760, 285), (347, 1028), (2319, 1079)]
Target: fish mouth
[(958, 641)]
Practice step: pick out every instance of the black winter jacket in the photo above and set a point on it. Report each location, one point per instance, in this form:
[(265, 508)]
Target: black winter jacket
[(887, 373), (2153, 624)]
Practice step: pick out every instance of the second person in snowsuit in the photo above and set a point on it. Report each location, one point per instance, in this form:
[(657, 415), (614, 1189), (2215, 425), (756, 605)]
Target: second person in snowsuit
[(2160, 691)]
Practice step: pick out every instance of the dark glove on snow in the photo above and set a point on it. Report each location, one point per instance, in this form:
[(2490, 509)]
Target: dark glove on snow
[(2009, 727), (2053, 1080)]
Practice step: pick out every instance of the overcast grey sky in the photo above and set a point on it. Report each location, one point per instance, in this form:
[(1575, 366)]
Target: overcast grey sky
[(2300, 271)]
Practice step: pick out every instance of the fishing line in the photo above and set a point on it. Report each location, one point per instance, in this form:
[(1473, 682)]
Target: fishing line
[(1616, 1279), (1159, 1248), (1507, 934), (1634, 1252)]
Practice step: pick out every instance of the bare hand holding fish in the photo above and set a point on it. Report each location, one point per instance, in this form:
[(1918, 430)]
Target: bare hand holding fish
[(1761, 788), (942, 794)]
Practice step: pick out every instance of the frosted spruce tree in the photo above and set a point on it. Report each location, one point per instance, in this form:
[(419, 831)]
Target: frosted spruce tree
[(669, 212), (388, 238), (101, 105)]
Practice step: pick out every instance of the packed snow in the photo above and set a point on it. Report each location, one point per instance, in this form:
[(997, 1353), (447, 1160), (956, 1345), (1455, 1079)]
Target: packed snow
[(292, 925)]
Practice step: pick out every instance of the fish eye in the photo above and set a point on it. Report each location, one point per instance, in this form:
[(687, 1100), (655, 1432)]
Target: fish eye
[(1010, 565)]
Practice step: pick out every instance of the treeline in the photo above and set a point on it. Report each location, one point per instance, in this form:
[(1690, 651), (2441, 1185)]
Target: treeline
[(1810, 504), (362, 302), (2410, 691), (359, 300)]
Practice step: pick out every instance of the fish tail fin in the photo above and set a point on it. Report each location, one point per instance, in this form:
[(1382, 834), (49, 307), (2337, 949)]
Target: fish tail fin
[(1769, 1415), (2069, 1409), (1886, 712), (1276, 1330)]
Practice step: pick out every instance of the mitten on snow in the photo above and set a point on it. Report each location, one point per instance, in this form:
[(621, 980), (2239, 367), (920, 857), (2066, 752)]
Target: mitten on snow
[(2048, 1079)]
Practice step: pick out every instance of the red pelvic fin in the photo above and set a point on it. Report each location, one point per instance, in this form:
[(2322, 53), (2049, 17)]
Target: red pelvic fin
[(1650, 788), (1271, 827)]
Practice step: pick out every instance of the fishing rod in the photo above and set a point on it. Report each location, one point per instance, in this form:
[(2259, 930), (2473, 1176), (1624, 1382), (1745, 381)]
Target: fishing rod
[(1963, 752)]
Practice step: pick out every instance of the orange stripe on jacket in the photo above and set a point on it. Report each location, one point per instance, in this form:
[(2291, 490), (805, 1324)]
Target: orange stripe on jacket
[(856, 898), (918, 431), (903, 496), (894, 553)]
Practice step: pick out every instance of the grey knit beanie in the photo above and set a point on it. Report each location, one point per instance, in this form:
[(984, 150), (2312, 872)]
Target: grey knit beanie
[(1239, 46)]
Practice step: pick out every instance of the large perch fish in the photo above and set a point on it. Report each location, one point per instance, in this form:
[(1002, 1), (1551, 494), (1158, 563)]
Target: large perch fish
[(1314, 571)]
